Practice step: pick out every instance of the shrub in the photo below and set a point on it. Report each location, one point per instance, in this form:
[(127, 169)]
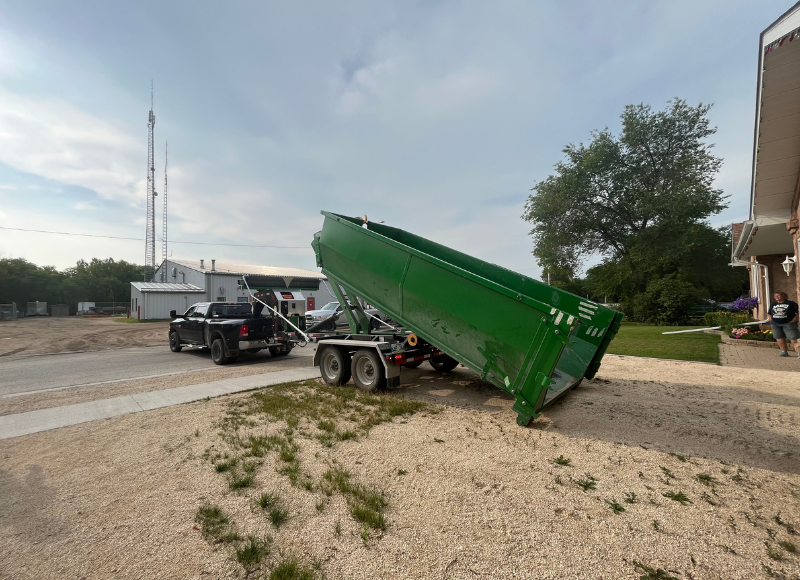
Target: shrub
[(727, 320)]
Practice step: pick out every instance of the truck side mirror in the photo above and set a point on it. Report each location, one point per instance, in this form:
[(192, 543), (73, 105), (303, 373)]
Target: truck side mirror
[(173, 314)]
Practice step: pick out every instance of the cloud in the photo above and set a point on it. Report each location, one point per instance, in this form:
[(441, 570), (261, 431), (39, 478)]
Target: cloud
[(54, 139)]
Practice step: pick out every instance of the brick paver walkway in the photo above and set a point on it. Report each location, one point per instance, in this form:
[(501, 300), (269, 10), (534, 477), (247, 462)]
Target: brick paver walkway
[(751, 357)]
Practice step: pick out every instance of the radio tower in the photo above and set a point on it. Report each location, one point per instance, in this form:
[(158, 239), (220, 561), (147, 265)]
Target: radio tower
[(150, 235), (164, 230)]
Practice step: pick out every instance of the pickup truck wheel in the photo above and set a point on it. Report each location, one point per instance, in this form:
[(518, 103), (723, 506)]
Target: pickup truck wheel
[(218, 352), (334, 366), (175, 342), (443, 363), (368, 372)]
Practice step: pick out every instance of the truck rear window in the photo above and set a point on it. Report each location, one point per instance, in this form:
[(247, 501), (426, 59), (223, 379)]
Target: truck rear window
[(231, 310)]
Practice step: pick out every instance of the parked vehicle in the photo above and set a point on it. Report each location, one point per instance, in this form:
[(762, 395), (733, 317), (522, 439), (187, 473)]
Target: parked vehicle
[(334, 312), (531, 340), (228, 329)]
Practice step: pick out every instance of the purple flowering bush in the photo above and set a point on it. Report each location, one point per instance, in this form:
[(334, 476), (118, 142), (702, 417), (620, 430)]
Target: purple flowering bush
[(745, 303)]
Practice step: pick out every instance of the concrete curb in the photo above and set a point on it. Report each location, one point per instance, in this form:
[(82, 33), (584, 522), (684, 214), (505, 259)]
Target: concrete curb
[(57, 417)]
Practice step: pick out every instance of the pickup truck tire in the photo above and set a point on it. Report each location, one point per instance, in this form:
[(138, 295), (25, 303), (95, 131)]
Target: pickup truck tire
[(367, 370), (218, 352), (443, 364), (334, 366), (175, 342)]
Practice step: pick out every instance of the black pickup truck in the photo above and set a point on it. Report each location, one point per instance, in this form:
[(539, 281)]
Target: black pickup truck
[(227, 328)]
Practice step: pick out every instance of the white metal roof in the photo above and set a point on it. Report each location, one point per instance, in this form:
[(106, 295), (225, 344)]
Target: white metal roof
[(244, 269), (776, 155), (165, 287)]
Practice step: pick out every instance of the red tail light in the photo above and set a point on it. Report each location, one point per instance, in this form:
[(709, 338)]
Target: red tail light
[(244, 330)]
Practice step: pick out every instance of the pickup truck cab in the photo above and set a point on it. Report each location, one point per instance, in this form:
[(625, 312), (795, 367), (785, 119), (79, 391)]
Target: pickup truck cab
[(227, 329)]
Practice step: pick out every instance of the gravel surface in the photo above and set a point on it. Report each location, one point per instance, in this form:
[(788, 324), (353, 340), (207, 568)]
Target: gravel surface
[(46, 335), (482, 498)]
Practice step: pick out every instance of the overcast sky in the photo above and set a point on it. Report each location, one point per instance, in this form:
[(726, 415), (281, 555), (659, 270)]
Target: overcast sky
[(435, 116)]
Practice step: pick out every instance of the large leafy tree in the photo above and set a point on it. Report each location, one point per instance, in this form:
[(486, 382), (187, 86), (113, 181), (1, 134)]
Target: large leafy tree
[(638, 201)]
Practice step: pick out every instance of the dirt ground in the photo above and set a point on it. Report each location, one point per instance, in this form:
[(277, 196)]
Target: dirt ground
[(46, 335), (470, 494)]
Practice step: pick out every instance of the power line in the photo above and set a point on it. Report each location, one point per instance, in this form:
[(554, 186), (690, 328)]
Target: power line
[(170, 241)]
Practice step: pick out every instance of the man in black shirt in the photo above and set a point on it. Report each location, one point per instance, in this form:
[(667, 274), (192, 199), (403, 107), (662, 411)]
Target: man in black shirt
[(784, 314)]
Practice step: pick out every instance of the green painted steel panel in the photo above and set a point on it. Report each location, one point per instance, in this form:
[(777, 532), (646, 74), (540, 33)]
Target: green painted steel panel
[(527, 338)]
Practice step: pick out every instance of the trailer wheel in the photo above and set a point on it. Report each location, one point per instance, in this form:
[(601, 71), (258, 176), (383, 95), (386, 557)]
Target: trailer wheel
[(218, 352), (368, 372), (443, 363), (174, 342), (334, 366)]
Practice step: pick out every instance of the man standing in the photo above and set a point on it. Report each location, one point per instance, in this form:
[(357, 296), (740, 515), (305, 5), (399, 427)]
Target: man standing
[(784, 313)]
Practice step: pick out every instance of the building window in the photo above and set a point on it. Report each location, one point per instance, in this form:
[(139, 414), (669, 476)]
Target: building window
[(220, 299)]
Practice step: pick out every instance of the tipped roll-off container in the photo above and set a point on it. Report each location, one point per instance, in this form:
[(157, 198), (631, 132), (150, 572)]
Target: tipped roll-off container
[(529, 339)]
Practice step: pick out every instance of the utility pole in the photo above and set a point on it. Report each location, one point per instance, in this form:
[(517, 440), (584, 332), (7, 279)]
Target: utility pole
[(164, 230), (150, 234)]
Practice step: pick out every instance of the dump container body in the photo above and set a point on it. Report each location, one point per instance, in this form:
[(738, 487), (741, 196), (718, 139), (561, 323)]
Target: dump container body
[(527, 338)]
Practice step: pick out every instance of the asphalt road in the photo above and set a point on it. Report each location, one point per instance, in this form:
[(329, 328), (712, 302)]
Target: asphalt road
[(49, 372)]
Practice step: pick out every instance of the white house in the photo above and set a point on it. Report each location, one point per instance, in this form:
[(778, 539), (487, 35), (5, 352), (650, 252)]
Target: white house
[(178, 284)]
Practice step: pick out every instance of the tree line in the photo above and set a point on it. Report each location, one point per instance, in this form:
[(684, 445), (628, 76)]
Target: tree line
[(95, 281), (639, 203)]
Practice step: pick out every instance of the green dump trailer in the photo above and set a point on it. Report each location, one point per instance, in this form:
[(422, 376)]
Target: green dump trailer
[(529, 339)]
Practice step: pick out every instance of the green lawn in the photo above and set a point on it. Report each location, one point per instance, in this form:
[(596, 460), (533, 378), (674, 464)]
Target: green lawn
[(637, 339)]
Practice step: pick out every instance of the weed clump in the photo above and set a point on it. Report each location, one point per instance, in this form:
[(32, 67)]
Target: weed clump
[(215, 525), (618, 509), (705, 479), (652, 573), (253, 551), (586, 484), (292, 569), (678, 496), (561, 460)]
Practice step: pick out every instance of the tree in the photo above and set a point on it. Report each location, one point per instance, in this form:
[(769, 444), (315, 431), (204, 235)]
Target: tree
[(638, 201)]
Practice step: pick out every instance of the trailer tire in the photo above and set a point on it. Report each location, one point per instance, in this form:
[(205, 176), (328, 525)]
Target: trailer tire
[(218, 352), (443, 363), (367, 369), (175, 342), (334, 366)]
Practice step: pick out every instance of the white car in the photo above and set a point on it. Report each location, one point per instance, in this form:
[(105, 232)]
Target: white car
[(333, 308)]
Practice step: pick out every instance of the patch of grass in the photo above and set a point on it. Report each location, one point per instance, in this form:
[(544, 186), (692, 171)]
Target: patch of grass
[(326, 425), (365, 534), (346, 435), (337, 529), (681, 458), (292, 569), (366, 504), (630, 497), (226, 465), (586, 484), (678, 496), (705, 479), (637, 339), (558, 480), (561, 460), (773, 553), (278, 516), (667, 473), (215, 525), (788, 546), (656, 526), (253, 551), (241, 480), (652, 573), (437, 440), (401, 472), (267, 500), (618, 509)]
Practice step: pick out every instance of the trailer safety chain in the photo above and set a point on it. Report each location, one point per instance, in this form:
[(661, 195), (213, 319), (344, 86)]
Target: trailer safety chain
[(289, 322)]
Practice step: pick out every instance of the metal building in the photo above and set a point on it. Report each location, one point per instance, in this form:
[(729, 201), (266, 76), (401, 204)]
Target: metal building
[(154, 300)]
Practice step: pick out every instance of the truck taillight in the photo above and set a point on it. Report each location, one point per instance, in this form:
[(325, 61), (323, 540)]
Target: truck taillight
[(244, 330)]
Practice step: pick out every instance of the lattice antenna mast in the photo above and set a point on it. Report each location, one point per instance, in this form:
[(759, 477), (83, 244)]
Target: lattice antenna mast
[(150, 235), (164, 230)]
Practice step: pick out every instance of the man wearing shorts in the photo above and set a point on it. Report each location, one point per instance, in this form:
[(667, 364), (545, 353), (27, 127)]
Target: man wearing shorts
[(784, 313)]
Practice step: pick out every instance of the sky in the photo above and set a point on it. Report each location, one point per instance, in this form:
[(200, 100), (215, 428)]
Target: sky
[(436, 117)]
